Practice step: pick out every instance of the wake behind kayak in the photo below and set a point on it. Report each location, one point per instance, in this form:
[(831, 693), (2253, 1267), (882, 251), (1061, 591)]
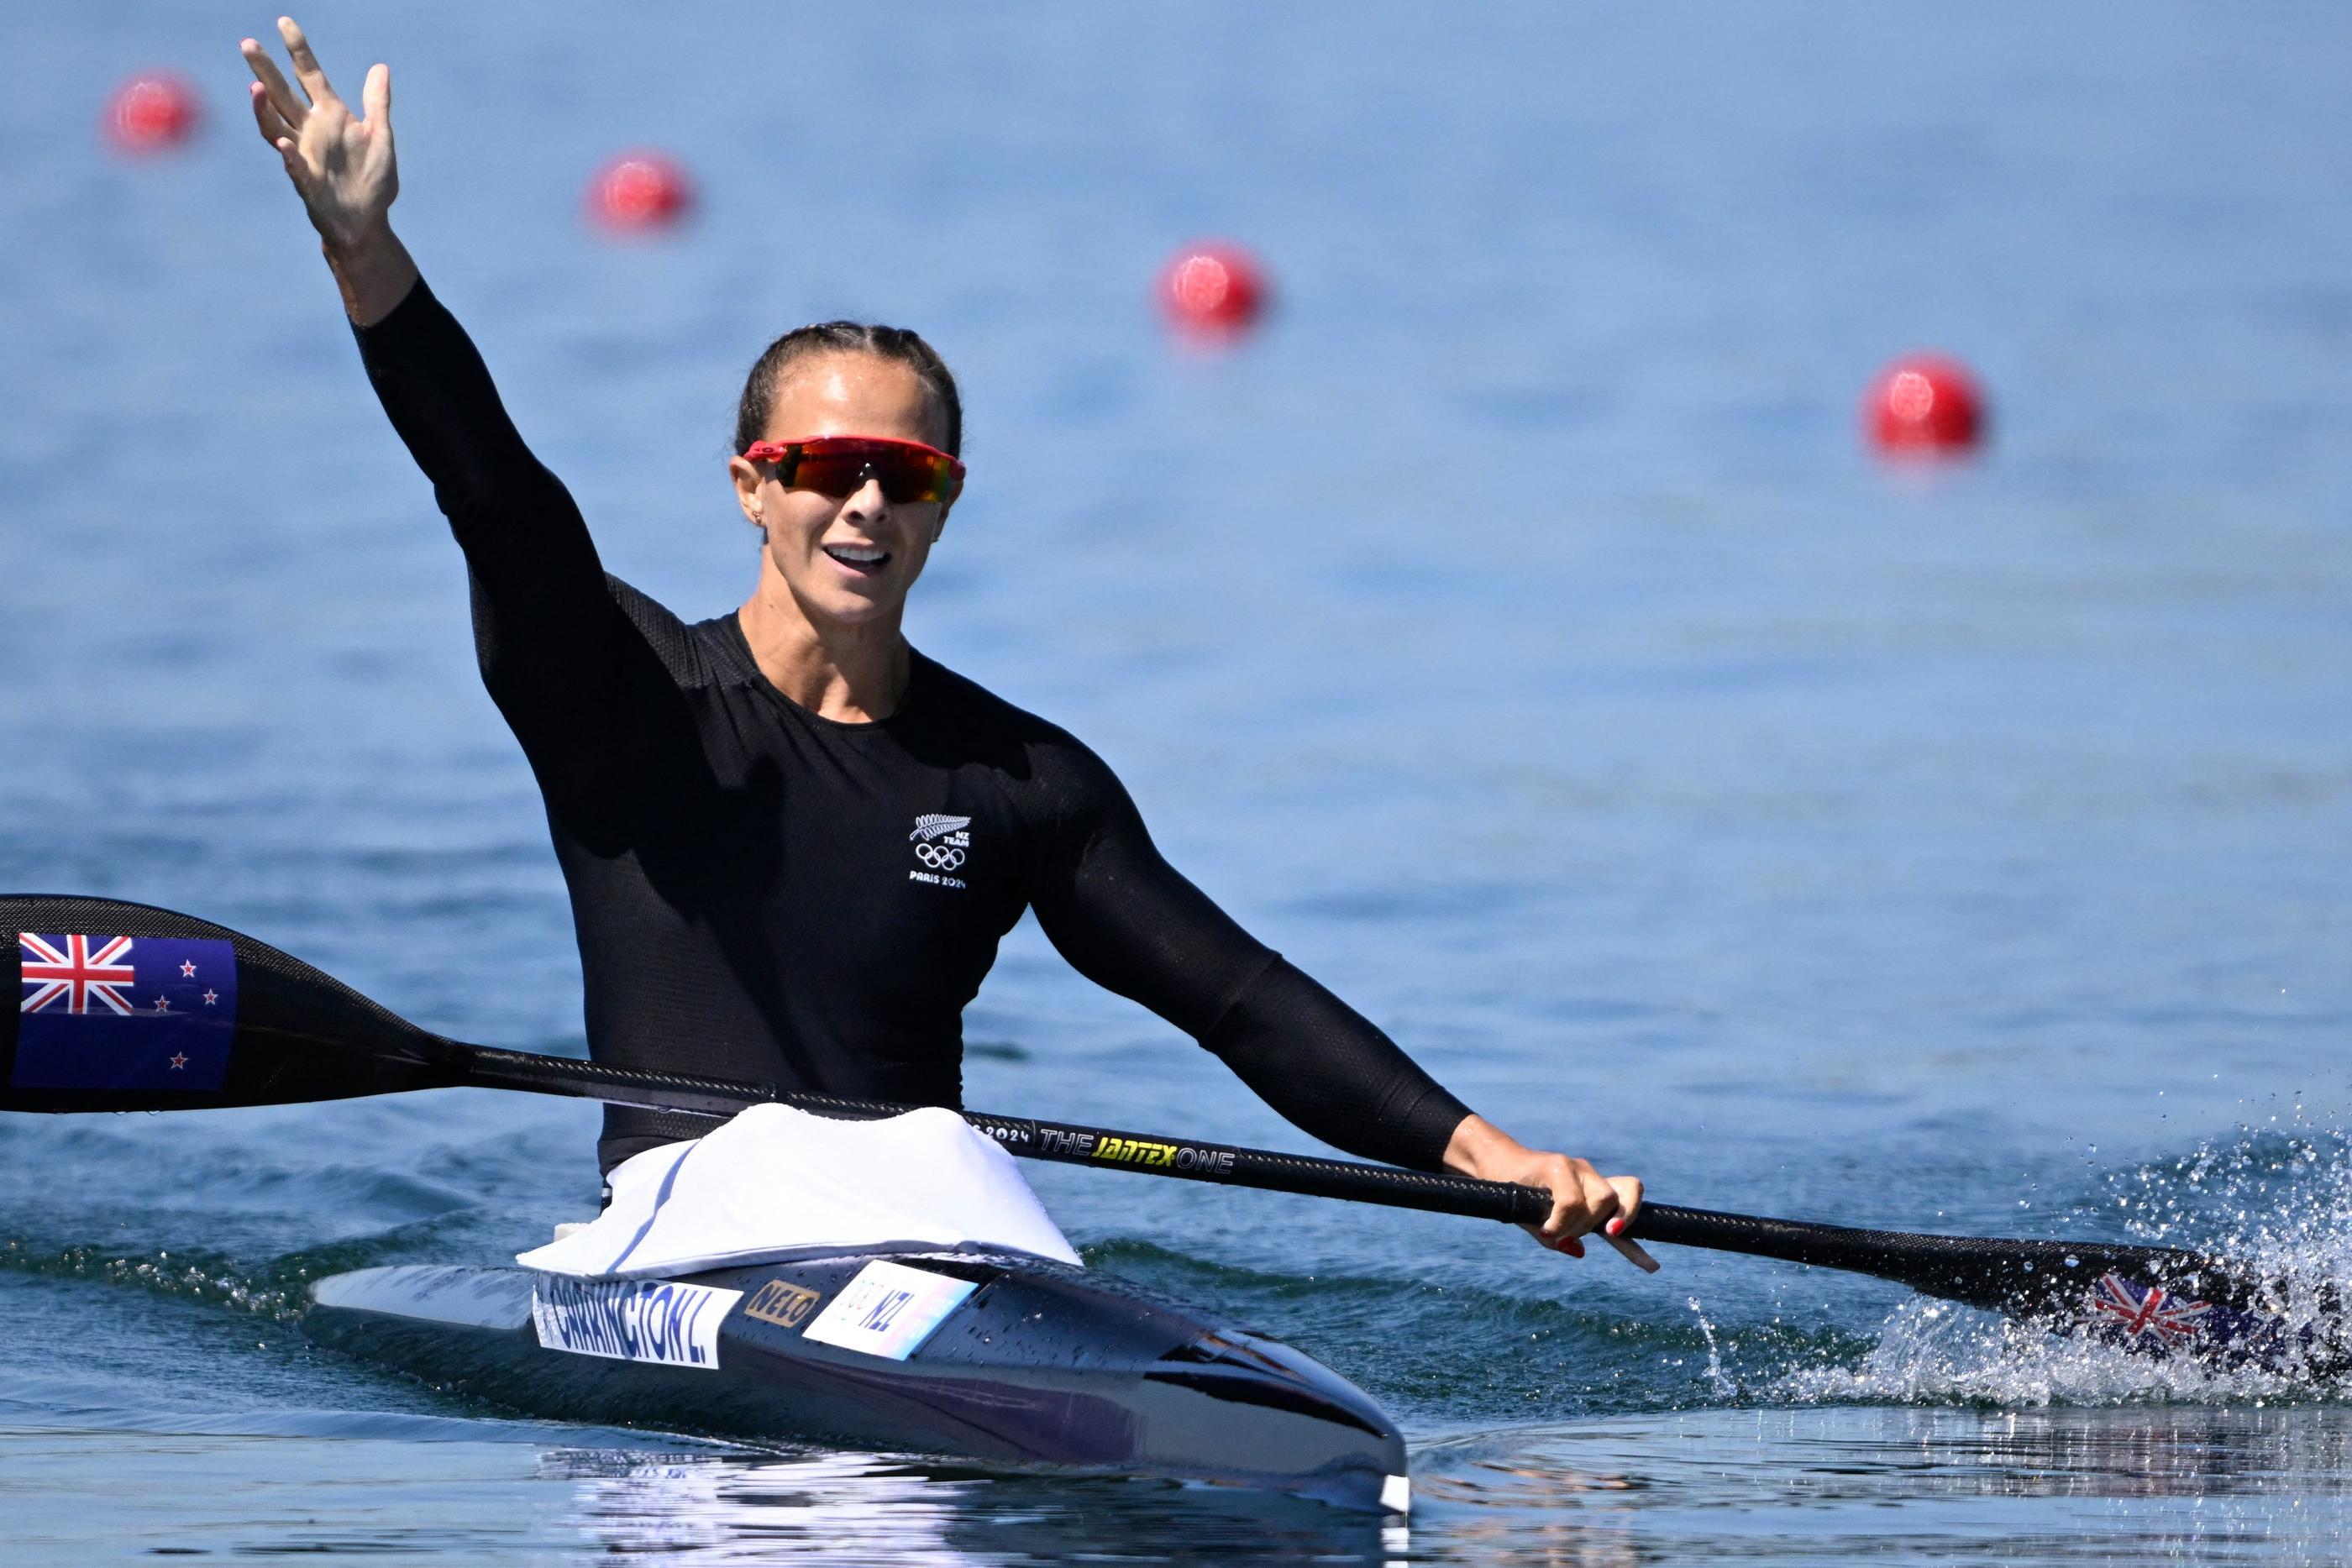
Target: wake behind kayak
[(995, 1357)]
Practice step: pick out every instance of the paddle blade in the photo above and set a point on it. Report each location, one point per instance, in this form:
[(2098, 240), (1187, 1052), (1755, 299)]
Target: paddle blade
[(2147, 1300), (122, 1007), (2027, 1278)]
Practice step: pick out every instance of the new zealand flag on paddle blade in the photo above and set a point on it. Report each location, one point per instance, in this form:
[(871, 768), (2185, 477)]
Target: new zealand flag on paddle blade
[(123, 1012)]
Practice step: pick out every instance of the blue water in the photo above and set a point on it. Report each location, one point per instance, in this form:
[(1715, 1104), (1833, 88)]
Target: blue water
[(1513, 632)]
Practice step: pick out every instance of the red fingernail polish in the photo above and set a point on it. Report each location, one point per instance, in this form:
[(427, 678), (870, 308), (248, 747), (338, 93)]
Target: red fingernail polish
[(1617, 1226), (1572, 1247)]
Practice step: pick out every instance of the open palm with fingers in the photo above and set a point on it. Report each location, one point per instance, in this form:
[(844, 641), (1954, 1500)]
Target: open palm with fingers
[(340, 162)]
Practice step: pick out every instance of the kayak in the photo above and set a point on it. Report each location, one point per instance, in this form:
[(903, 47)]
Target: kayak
[(997, 1358)]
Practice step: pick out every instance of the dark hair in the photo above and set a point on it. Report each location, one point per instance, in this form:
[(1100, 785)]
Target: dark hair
[(895, 343)]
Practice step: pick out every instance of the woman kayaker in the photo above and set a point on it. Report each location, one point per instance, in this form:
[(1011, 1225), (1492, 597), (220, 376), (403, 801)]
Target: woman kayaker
[(791, 842)]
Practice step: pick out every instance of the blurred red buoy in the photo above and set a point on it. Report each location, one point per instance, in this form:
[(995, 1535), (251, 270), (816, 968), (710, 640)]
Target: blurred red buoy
[(1213, 290), (151, 112), (640, 191), (1924, 403)]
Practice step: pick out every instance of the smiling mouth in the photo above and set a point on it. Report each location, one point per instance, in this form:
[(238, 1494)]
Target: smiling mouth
[(864, 560)]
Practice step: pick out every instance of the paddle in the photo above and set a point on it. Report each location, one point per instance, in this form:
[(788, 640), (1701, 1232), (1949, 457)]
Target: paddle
[(128, 1008)]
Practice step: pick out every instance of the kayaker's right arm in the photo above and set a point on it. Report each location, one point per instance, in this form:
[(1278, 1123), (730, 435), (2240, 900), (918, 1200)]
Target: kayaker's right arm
[(556, 651), (343, 167)]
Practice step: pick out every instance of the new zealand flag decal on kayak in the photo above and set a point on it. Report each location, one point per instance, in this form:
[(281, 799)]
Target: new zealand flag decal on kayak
[(123, 1012)]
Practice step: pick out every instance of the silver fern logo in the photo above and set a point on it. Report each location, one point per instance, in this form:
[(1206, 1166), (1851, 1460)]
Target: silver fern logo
[(942, 843)]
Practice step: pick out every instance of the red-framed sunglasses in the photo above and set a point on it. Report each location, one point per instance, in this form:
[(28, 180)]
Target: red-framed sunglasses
[(837, 465)]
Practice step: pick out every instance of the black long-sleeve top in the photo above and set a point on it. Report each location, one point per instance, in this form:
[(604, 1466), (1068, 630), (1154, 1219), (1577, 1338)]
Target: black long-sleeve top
[(764, 894)]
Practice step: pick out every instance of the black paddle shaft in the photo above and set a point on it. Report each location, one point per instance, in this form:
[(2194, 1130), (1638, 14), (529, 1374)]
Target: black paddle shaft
[(298, 1034), (1066, 1143)]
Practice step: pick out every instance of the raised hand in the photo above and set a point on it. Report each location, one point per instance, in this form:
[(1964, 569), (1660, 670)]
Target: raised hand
[(341, 165)]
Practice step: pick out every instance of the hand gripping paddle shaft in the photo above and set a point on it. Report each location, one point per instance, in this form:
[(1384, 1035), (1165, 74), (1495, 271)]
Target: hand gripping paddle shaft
[(113, 1016)]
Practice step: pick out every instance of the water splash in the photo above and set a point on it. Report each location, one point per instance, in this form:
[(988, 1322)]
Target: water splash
[(1714, 1374), (1934, 1352), (2275, 1199), (2278, 1196)]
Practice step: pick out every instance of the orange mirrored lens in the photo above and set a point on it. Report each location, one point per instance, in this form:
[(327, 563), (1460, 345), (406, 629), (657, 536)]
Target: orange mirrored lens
[(837, 465)]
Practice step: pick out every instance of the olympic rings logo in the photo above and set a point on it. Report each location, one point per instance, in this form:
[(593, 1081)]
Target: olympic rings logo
[(939, 857)]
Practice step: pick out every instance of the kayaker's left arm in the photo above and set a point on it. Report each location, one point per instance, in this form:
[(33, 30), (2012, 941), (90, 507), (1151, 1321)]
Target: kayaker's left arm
[(1583, 1200), (1129, 921)]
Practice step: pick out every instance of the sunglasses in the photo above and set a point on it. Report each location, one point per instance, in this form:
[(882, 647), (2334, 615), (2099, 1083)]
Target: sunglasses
[(839, 466)]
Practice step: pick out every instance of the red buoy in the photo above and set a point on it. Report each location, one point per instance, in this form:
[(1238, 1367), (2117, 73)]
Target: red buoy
[(640, 191), (1924, 405), (152, 112), (1213, 290)]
